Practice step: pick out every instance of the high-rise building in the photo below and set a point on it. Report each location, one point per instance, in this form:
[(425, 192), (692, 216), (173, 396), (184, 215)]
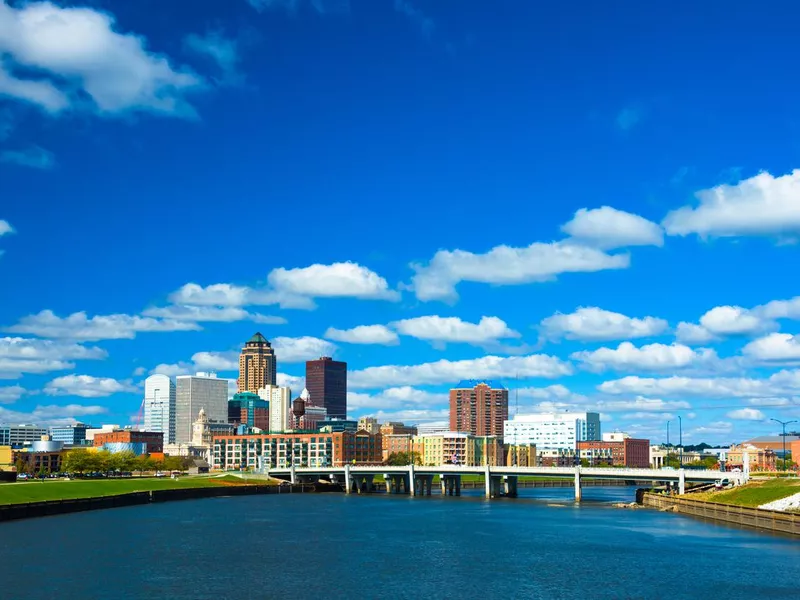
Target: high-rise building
[(247, 408), (257, 366), (280, 407), (478, 407), (159, 406), (73, 435), (17, 435), (553, 430), (194, 392), (326, 381)]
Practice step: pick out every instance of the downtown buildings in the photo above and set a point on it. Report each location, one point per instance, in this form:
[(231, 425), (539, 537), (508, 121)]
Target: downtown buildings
[(193, 392), (160, 406), (479, 407), (326, 382), (257, 365), (558, 431)]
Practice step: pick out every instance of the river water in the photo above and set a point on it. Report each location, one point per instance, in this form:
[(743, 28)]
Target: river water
[(540, 545)]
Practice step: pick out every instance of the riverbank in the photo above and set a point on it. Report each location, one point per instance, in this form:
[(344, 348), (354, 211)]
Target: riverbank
[(754, 494)]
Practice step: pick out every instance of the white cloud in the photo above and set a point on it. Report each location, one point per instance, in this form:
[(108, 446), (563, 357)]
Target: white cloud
[(414, 416), (781, 383), (218, 294), (651, 357), (296, 383), (643, 405), (504, 265), (202, 314), (33, 157), (395, 398), (301, 349), (453, 329), (10, 394), (87, 386), (27, 348), (364, 334), (75, 51), (731, 320), (760, 205), (78, 326), (716, 427), (595, 324), (746, 414), (723, 321), (650, 416), (690, 333), (774, 347), (14, 368), (51, 415), (609, 228), (223, 51), (201, 361), (450, 372), (5, 227)]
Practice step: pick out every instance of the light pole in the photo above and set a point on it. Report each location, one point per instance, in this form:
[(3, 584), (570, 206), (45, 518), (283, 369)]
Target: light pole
[(666, 456), (680, 440), (784, 424)]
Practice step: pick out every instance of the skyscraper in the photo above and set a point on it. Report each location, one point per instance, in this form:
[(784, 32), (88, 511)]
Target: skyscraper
[(257, 366), (159, 406), (326, 381), (478, 407), (280, 407), (194, 392)]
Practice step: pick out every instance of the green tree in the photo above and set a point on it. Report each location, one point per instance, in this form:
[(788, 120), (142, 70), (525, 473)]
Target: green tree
[(126, 461), (174, 463), (672, 460), (77, 461), (144, 463), (401, 459)]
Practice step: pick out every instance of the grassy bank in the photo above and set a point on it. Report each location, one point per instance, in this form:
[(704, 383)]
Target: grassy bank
[(753, 494), (38, 491)]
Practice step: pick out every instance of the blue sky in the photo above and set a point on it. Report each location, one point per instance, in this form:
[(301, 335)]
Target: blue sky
[(594, 203)]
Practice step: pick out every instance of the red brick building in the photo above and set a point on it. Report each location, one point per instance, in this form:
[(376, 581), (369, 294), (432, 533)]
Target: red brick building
[(629, 452), (154, 440), (478, 407)]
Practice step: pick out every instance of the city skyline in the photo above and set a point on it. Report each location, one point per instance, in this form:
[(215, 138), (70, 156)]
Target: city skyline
[(634, 230)]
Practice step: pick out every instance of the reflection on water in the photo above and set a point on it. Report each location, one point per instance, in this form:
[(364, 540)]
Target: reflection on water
[(330, 545)]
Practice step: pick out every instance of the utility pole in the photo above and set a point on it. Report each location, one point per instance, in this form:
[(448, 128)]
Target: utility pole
[(680, 440), (784, 424), (667, 454)]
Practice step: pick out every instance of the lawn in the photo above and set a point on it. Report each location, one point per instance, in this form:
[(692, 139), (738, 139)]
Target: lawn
[(753, 494), (37, 491)]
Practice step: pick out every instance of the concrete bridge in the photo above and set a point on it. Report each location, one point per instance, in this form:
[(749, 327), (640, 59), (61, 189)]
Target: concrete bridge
[(498, 481)]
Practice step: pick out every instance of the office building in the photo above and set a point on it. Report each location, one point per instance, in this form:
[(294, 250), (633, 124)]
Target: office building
[(458, 448), (247, 408), (478, 407), (313, 416), (92, 431), (338, 425), (326, 380), (19, 435), (621, 451), (71, 435), (280, 407), (369, 424), (194, 392), (553, 430), (153, 440), (257, 366), (261, 452), (159, 406)]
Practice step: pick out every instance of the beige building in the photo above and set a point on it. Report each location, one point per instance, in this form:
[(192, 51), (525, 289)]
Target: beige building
[(452, 447), (257, 365), (759, 458), (369, 424), (521, 455)]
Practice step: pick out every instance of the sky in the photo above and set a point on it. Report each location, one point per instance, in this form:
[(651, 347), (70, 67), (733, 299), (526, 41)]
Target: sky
[(597, 204)]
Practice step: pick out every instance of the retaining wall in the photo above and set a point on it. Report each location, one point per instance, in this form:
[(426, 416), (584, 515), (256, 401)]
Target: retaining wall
[(754, 518)]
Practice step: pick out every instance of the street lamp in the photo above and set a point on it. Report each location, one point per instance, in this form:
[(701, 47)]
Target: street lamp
[(680, 439), (784, 424)]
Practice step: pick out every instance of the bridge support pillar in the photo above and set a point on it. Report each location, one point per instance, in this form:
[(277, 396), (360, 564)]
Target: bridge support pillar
[(387, 481), (511, 486), (423, 484), (293, 475), (487, 480), (577, 484), (681, 482), (411, 481), (451, 485), (348, 481)]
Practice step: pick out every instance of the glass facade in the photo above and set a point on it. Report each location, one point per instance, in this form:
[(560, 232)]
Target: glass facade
[(159, 406), (194, 393)]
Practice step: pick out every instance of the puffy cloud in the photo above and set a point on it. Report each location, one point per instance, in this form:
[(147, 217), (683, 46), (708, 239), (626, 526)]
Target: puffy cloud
[(218, 294), (33, 157), (652, 357), (78, 326), (301, 349), (76, 51), (395, 398), (731, 320), (453, 329), (504, 265), (774, 347), (5, 228), (87, 386), (11, 393), (296, 383), (51, 414), (781, 383), (746, 414), (364, 334), (609, 228), (595, 324), (760, 205), (446, 371), (716, 427), (14, 368), (415, 416), (723, 321), (201, 314), (690, 333), (22, 355), (201, 361)]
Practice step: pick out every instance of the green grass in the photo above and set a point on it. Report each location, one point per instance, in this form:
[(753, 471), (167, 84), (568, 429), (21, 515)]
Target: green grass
[(753, 494), (37, 491)]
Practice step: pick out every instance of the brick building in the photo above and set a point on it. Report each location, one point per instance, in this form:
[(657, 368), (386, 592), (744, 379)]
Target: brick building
[(629, 452), (396, 437), (478, 407), (154, 441)]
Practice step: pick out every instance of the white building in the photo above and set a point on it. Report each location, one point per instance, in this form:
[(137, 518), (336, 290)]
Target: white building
[(159, 406), (280, 407), (615, 436), (90, 433), (193, 392), (17, 435), (552, 430), (430, 428)]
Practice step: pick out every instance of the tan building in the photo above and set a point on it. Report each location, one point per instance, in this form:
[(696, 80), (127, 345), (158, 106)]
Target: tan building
[(478, 407), (521, 455), (6, 461), (458, 448), (369, 424), (257, 365), (759, 458)]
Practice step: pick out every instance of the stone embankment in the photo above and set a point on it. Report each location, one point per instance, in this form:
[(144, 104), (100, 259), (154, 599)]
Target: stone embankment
[(791, 503)]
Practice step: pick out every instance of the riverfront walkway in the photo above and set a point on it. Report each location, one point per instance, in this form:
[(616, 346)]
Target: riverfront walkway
[(498, 481)]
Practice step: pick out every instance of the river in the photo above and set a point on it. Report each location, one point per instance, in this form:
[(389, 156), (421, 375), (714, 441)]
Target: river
[(538, 546)]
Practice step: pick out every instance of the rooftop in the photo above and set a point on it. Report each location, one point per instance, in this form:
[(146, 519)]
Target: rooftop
[(258, 339), (468, 384)]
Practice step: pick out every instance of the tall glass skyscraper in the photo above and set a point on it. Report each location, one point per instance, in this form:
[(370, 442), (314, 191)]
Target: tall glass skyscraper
[(194, 392), (159, 406)]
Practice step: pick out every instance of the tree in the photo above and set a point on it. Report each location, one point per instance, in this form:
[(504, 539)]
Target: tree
[(402, 459), (174, 463), (144, 463), (78, 461), (672, 460)]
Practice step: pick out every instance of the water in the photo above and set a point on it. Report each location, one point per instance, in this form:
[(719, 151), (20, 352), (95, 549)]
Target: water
[(313, 546)]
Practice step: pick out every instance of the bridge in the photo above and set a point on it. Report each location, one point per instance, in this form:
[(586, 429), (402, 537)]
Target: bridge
[(498, 481)]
